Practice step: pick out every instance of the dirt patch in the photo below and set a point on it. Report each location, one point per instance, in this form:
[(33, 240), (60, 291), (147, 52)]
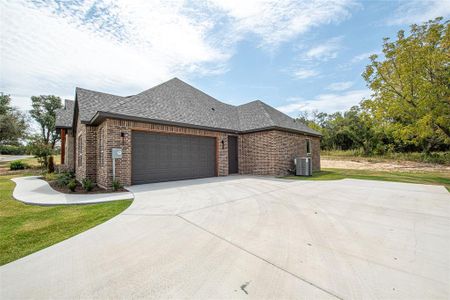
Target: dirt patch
[(80, 190), (365, 164)]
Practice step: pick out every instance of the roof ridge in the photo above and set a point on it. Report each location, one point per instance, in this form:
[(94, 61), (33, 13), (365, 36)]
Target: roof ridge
[(264, 105), (92, 91), (130, 98), (193, 87)]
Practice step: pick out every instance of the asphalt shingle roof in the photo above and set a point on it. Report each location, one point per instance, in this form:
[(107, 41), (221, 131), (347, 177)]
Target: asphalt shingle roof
[(175, 101), (64, 116)]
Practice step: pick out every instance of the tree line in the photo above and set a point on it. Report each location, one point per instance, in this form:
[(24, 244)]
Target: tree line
[(15, 135), (409, 109)]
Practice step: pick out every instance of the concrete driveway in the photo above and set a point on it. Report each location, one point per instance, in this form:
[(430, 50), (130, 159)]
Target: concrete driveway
[(247, 237)]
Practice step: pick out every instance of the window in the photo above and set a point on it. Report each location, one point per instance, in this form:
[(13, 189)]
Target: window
[(80, 150), (102, 147), (308, 146)]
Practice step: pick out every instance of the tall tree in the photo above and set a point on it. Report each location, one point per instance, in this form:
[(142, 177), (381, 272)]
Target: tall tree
[(44, 112), (411, 85), (13, 123)]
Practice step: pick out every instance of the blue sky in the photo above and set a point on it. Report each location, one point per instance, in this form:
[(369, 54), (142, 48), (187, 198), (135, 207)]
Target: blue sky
[(294, 55)]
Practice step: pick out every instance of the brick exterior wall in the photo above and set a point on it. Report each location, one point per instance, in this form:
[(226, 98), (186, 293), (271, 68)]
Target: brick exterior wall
[(273, 152), (115, 127), (69, 151), (87, 166), (259, 153)]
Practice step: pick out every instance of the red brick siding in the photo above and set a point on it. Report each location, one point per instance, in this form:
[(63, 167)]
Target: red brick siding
[(88, 166), (273, 152)]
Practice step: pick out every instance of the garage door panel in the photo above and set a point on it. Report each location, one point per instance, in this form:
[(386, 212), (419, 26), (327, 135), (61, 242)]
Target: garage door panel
[(159, 157)]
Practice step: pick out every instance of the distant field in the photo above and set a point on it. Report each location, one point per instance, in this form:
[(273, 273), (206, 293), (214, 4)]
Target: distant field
[(34, 166), (442, 158)]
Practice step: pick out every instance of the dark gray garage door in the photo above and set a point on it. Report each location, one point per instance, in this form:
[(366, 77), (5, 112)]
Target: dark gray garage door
[(161, 157)]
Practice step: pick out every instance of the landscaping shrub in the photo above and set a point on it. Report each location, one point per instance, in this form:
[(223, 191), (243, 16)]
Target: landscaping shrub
[(87, 184), (50, 176), (51, 165), (72, 185), (63, 179), (116, 185), (17, 165)]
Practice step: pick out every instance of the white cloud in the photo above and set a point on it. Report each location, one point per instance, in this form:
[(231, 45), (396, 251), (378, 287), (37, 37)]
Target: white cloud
[(328, 103), (305, 73), (418, 11), (122, 47), (325, 51), (116, 46), (340, 86), (277, 21)]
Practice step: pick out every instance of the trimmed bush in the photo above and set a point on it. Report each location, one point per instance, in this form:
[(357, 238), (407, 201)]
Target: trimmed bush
[(72, 185), (116, 185), (87, 184), (17, 165)]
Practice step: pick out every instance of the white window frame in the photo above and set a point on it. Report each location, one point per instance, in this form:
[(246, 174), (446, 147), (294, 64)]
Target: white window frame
[(308, 147), (80, 150), (102, 147)]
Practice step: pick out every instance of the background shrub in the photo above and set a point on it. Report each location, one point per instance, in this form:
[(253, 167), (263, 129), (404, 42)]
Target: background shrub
[(13, 150), (17, 165)]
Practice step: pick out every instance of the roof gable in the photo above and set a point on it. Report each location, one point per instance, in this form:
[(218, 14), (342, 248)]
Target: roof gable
[(90, 102), (64, 116)]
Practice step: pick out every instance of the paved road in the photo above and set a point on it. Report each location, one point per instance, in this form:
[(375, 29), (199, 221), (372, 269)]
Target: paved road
[(4, 158), (239, 237)]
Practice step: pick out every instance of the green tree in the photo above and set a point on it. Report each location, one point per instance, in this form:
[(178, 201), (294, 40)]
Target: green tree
[(411, 85), (44, 112), (13, 123)]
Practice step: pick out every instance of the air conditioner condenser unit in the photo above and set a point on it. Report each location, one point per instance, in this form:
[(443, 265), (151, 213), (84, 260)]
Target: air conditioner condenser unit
[(303, 166)]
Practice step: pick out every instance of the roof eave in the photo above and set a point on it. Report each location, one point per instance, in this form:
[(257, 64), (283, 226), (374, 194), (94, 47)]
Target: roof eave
[(281, 129)]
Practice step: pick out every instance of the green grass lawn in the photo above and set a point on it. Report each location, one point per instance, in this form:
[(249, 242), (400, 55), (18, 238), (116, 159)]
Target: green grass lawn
[(416, 177), (25, 229)]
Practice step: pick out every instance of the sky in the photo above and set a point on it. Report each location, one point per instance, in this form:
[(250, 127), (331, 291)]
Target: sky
[(295, 55)]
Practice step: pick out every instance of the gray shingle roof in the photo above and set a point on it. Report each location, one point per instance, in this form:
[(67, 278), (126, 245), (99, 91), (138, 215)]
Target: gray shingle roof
[(89, 102), (177, 102), (64, 116)]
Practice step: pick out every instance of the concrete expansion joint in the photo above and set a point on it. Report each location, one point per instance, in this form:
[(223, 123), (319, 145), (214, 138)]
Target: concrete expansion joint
[(259, 257), (226, 202)]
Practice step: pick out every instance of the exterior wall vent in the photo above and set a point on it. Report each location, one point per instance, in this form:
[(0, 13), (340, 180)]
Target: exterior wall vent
[(303, 166)]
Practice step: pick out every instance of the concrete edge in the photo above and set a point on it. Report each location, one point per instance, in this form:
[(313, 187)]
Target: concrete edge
[(125, 198)]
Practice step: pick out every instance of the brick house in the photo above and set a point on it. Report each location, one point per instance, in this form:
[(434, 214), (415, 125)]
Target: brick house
[(174, 131)]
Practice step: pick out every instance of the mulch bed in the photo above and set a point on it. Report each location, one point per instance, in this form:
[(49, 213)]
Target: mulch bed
[(80, 190)]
